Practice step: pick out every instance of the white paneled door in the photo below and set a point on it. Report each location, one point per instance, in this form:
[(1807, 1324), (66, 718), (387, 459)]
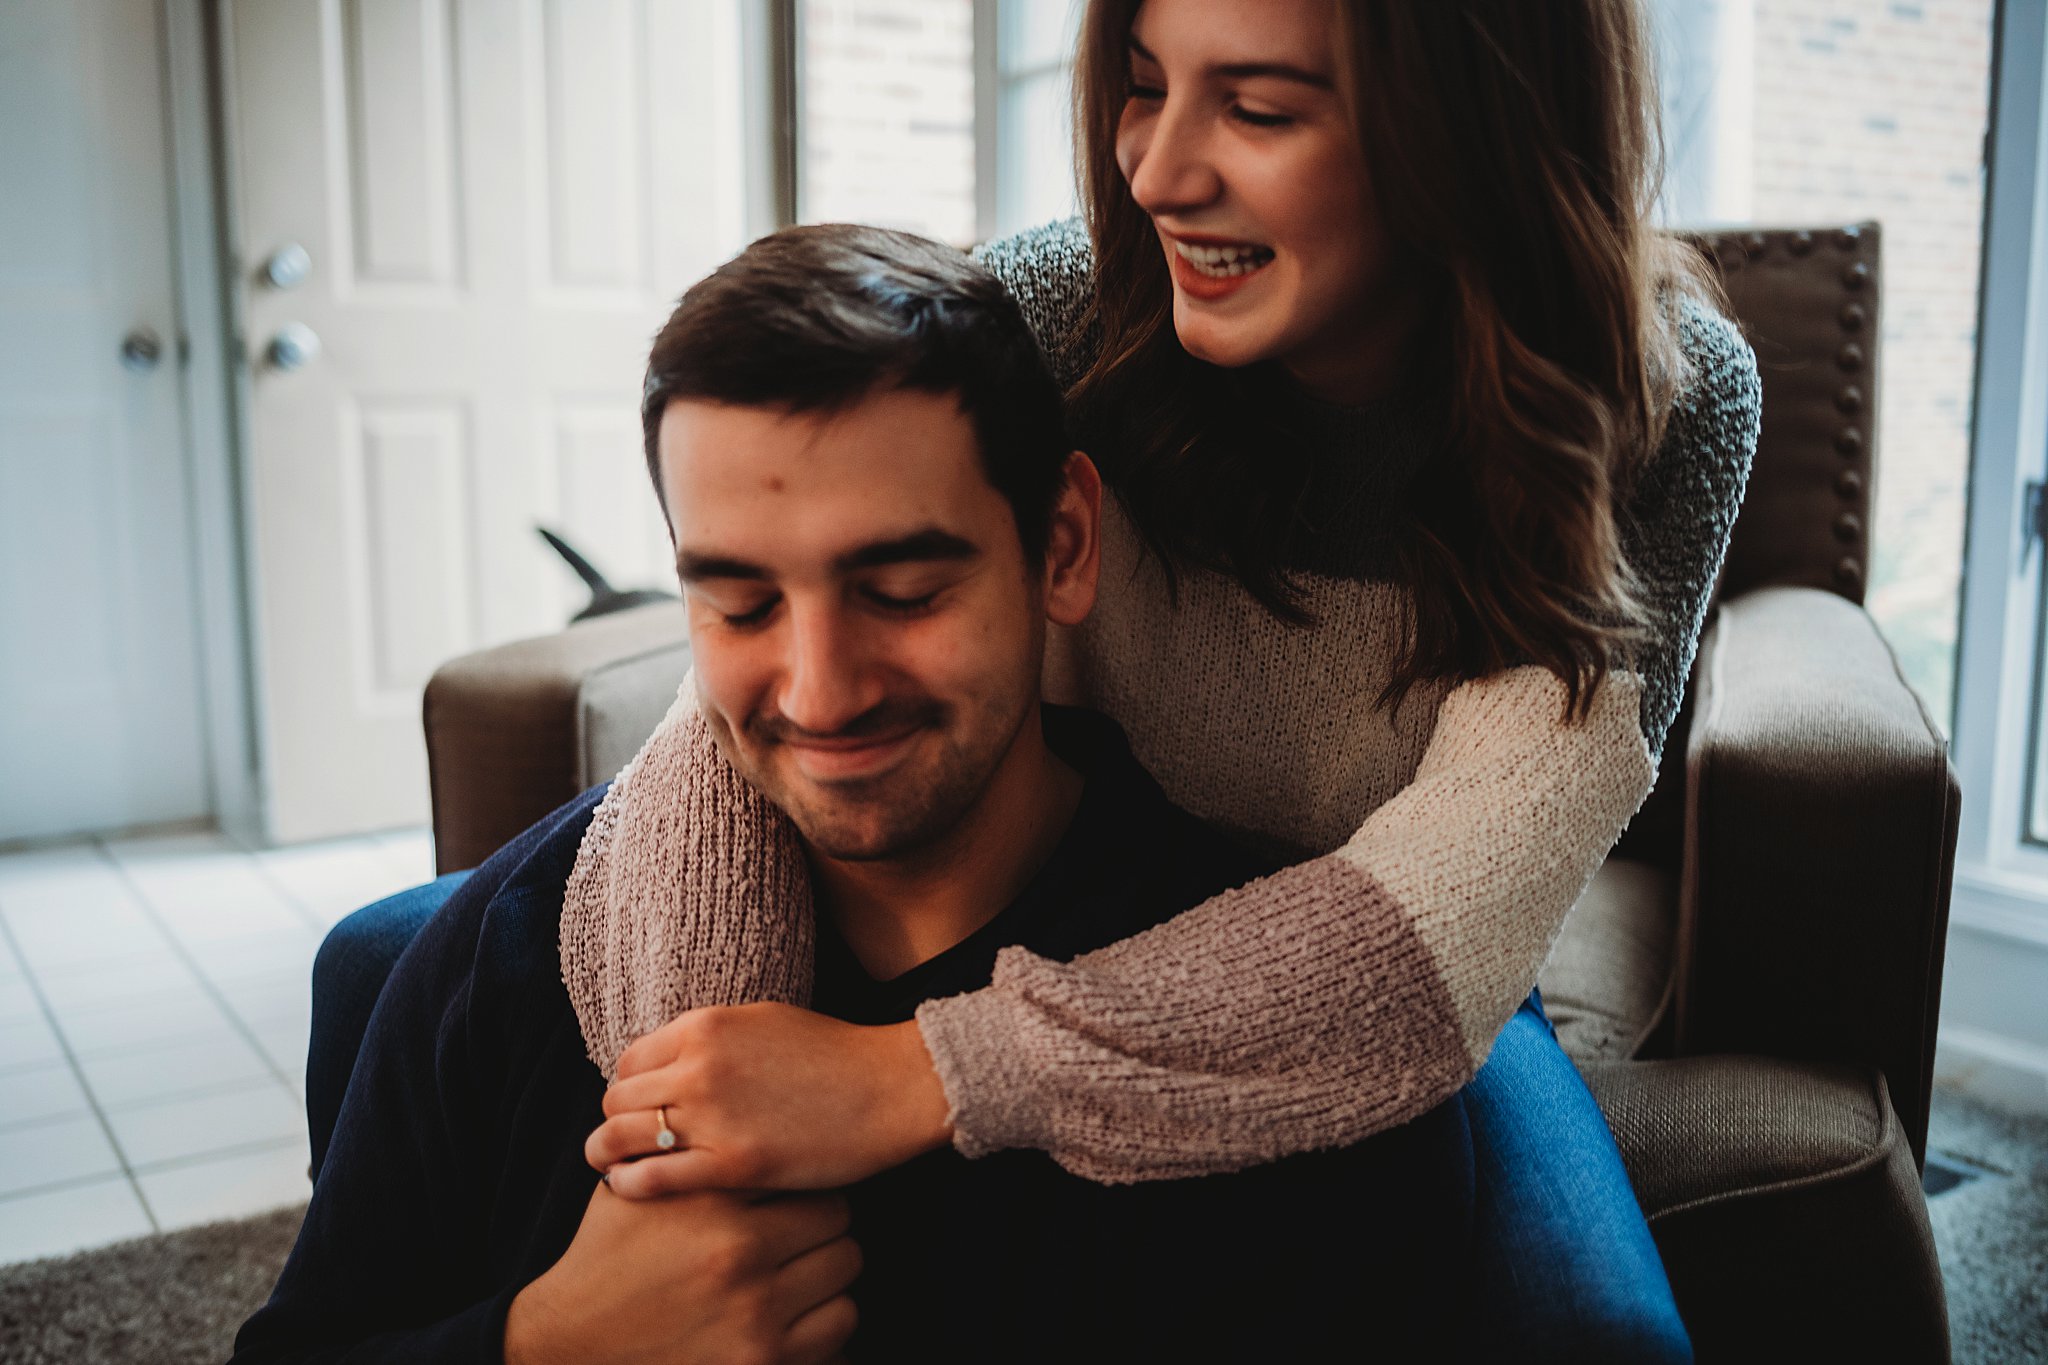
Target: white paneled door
[(101, 719), (460, 223)]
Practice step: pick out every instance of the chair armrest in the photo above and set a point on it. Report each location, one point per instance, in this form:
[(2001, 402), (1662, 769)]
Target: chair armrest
[(1785, 1204), (514, 731), (1820, 839)]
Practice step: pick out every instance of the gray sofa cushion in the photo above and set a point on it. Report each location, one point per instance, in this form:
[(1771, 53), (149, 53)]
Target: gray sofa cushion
[(622, 703), (1698, 1129), (1609, 978), (514, 731), (1785, 1204)]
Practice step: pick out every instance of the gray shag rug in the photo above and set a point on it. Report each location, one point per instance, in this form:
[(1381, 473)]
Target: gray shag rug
[(173, 1298), (1991, 1228), (180, 1296)]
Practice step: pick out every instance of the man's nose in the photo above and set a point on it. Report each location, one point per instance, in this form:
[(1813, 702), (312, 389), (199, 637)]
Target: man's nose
[(828, 682), (1168, 163)]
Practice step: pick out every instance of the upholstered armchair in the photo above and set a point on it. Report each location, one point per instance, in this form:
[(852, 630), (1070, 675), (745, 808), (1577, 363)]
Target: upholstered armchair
[(1749, 984)]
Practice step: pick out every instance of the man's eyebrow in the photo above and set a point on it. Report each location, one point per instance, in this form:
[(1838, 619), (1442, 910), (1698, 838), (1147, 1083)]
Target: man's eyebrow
[(1249, 70), (692, 567), (917, 547)]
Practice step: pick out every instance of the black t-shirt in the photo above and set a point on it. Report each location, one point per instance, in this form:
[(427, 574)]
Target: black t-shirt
[(456, 1175)]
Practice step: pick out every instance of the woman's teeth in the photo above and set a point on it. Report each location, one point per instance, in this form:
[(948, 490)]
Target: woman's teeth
[(1223, 261)]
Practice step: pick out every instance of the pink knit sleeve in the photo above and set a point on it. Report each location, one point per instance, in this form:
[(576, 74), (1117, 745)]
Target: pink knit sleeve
[(1329, 1001), (1356, 991)]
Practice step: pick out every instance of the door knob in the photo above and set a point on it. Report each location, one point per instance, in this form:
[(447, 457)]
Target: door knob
[(294, 345), (287, 267), (141, 349)]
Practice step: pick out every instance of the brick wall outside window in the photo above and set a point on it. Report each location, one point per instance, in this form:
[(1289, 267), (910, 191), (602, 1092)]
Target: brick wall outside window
[(1877, 109), (888, 115)]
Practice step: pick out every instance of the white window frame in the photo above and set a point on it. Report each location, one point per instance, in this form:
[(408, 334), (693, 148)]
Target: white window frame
[(1993, 1022), (998, 78), (989, 108), (768, 46)]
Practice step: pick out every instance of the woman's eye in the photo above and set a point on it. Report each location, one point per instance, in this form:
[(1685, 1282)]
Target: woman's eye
[(1259, 120), (1149, 93)]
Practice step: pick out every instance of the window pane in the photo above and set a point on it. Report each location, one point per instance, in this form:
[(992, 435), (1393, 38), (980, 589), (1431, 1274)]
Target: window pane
[(1794, 112), (1035, 34), (1034, 146), (887, 133), (2037, 771), (1878, 110), (1034, 152)]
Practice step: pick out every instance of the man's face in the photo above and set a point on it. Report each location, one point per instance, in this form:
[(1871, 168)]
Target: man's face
[(866, 631)]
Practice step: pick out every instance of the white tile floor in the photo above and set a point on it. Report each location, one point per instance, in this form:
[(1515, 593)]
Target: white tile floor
[(154, 996)]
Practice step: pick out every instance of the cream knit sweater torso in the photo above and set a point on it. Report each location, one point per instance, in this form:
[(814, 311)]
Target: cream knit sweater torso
[(1441, 846)]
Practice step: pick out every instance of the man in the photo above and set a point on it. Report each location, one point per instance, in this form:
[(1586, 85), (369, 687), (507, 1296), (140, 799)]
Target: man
[(876, 518)]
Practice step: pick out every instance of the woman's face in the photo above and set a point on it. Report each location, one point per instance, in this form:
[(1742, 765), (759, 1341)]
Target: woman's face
[(1237, 143)]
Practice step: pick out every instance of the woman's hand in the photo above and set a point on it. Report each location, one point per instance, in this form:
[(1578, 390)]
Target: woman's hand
[(767, 1096)]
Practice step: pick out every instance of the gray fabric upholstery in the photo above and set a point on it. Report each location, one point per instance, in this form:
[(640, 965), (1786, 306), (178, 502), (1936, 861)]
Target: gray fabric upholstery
[(1786, 1204), (515, 731), (1821, 843), (621, 704), (1808, 301), (1609, 978), (1695, 1129)]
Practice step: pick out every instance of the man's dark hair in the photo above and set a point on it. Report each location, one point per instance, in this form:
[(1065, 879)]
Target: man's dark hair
[(817, 318)]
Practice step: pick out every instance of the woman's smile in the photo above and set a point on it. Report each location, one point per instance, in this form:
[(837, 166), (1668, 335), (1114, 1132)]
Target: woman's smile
[(1231, 117), (1209, 268)]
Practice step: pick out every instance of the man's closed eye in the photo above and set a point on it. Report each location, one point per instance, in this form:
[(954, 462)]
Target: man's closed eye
[(901, 606)]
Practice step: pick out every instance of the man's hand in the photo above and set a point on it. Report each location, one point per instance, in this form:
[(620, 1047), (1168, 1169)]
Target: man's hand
[(767, 1097), (701, 1278)]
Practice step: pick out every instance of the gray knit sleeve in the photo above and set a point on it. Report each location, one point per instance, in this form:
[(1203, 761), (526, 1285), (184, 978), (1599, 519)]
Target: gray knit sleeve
[(1050, 271), (1678, 523)]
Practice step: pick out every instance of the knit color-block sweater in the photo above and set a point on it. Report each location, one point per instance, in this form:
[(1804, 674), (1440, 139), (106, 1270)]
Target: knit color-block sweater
[(1440, 845)]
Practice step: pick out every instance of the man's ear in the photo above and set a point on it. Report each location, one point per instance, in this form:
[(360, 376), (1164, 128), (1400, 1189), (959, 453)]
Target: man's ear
[(1073, 544)]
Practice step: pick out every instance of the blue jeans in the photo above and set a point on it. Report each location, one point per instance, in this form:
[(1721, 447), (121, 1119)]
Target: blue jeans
[(349, 970), (1566, 1268)]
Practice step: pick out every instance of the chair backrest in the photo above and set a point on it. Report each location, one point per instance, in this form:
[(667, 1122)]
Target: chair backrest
[(1807, 300)]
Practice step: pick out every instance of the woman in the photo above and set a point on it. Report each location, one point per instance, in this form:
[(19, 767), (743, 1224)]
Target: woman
[(1426, 451)]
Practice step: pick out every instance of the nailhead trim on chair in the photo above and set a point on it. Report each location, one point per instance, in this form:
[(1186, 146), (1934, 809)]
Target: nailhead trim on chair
[(1793, 359)]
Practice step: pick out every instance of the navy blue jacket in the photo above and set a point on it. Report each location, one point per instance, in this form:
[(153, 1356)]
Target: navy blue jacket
[(456, 1175)]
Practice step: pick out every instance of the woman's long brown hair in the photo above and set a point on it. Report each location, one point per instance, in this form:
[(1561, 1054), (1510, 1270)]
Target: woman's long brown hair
[(1513, 153)]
